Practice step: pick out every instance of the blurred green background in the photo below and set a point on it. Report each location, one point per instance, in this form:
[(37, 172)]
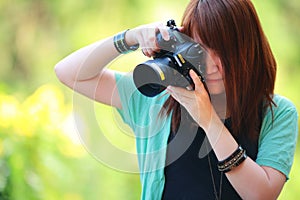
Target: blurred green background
[(41, 155)]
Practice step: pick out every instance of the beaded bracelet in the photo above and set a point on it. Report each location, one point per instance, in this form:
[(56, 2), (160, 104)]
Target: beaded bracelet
[(234, 160), (121, 45)]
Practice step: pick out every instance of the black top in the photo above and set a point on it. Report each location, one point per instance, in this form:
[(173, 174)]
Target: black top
[(189, 176)]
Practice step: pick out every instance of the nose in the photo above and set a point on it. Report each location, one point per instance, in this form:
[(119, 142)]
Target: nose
[(213, 63), (211, 66)]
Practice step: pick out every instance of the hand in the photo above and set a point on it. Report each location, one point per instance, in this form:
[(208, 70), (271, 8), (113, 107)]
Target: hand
[(145, 36), (196, 102)]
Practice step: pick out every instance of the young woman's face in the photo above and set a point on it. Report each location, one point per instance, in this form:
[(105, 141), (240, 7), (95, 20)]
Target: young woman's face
[(214, 75)]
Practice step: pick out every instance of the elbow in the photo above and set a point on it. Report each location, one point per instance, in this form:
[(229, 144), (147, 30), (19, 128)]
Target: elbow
[(262, 197), (60, 73), (262, 194)]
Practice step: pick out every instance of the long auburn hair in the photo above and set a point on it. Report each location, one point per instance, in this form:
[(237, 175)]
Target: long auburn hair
[(232, 29)]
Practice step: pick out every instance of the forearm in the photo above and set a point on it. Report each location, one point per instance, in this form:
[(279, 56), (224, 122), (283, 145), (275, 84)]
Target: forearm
[(252, 181), (249, 179), (88, 61)]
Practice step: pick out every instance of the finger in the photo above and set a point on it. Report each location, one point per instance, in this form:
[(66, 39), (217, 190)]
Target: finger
[(198, 84), (164, 33), (150, 40), (172, 93), (180, 92), (144, 49), (185, 98)]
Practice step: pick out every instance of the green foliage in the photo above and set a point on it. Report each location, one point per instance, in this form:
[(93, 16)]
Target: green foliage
[(41, 156)]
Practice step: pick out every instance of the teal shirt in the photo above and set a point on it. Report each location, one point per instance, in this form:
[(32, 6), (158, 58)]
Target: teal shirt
[(276, 145)]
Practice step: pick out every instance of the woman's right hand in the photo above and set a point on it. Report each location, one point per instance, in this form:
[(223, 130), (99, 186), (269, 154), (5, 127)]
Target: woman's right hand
[(145, 36)]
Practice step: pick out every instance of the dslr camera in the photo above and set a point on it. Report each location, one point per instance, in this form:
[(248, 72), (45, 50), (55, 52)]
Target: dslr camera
[(171, 65)]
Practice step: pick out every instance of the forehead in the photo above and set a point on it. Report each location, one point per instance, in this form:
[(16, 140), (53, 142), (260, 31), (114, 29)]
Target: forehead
[(196, 37)]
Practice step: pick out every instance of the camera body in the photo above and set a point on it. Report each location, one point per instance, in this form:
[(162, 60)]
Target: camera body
[(171, 65)]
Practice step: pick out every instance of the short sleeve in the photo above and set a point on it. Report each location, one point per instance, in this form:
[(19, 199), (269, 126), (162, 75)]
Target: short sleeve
[(125, 90), (278, 136), (138, 111)]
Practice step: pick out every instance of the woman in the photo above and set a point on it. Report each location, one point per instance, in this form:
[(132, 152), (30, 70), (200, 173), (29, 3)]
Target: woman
[(252, 135)]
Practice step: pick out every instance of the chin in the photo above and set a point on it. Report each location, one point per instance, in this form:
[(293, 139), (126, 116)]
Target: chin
[(215, 90)]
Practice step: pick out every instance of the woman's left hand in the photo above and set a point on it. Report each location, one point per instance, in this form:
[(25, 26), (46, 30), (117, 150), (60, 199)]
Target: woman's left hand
[(196, 102)]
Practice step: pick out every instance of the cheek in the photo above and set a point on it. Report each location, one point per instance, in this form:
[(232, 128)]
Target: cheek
[(214, 59), (218, 62)]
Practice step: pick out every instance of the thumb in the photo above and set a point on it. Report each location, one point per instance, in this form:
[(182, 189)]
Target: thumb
[(181, 29), (198, 83)]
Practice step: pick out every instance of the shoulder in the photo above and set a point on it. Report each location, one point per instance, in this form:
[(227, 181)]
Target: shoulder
[(124, 78), (283, 108), (281, 123), (283, 103), (278, 135), (137, 109)]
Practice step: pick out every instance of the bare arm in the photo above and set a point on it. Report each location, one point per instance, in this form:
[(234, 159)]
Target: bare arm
[(250, 180), (84, 70)]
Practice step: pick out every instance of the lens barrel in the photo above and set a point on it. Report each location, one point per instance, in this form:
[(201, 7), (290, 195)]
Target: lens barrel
[(153, 76)]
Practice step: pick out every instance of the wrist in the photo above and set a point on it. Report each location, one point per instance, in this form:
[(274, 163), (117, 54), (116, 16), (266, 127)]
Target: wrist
[(222, 142), (213, 123), (121, 44), (130, 38)]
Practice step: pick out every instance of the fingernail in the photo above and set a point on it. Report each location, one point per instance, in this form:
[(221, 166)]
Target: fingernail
[(191, 72), (166, 37)]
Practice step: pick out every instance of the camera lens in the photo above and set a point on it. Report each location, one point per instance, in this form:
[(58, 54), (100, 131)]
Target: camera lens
[(151, 77)]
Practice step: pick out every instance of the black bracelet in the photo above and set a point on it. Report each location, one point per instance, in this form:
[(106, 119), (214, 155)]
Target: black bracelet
[(237, 151), (121, 45), (234, 160), (234, 163)]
